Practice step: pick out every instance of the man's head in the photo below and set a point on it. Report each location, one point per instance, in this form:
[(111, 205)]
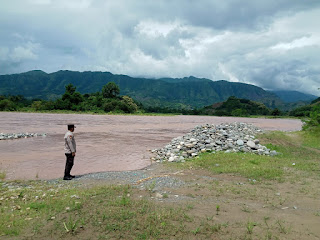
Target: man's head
[(71, 127)]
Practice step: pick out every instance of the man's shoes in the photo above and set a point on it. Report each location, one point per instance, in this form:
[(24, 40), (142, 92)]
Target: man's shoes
[(72, 176), (67, 178)]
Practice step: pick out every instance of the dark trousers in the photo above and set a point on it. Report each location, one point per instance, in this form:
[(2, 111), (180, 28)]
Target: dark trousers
[(69, 164)]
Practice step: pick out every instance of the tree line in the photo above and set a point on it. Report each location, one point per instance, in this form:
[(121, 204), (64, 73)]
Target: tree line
[(106, 100)]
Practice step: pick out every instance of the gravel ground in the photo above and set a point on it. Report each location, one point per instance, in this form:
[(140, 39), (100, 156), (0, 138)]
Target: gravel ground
[(148, 178)]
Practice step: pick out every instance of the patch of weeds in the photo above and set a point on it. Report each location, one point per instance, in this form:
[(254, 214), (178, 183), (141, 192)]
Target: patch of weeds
[(124, 201), (190, 206), (150, 187), (304, 190), (317, 214), (217, 209), (126, 214), (282, 226), (246, 209), (250, 226), (212, 228), (266, 219), (37, 228), (11, 231), (71, 225), (2, 175), (235, 191), (282, 201), (76, 206), (196, 231), (268, 236), (209, 218), (38, 205), (165, 195)]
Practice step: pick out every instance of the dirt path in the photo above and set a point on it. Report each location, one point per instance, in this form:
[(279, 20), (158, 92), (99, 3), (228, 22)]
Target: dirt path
[(104, 142)]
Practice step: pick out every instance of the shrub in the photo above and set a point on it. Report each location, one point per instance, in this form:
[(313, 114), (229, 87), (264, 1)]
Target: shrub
[(7, 105)]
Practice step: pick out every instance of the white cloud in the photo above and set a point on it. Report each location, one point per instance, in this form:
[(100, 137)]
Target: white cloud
[(227, 73), (23, 53), (155, 29), (297, 43)]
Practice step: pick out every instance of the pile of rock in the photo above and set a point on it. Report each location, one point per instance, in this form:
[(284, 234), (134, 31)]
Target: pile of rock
[(234, 137), (7, 136)]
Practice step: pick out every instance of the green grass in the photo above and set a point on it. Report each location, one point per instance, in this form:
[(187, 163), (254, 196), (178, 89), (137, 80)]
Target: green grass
[(106, 212), (311, 138), (2, 175), (298, 151)]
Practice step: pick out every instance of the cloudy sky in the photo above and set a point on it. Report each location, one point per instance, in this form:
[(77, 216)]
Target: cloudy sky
[(274, 44)]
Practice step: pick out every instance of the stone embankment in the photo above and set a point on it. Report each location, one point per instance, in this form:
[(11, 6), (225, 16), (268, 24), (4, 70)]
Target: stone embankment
[(233, 137), (7, 136)]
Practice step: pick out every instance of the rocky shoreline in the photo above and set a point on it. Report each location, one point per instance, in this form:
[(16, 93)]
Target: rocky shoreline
[(227, 137), (8, 136)]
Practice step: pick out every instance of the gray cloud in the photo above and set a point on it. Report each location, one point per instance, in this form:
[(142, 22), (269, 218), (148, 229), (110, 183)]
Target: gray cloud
[(272, 44)]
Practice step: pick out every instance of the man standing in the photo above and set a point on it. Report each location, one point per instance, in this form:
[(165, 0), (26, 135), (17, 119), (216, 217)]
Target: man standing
[(70, 151)]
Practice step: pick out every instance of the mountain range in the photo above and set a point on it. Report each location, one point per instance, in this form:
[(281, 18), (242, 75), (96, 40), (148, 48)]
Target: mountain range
[(189, 92)]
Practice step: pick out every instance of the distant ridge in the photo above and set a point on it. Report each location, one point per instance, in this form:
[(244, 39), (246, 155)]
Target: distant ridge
[(293, 96), (189, 92)]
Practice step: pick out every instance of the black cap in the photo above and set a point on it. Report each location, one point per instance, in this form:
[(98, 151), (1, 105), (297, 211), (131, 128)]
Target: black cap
[(70, 126)]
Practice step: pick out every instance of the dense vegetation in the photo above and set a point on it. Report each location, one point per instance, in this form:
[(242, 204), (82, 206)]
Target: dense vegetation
[(314, 118), (105, 101), (237, 107), (13, 103), (108, 100)]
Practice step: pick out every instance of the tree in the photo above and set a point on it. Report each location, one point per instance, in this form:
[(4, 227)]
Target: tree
[(239, 112), (7, 105), (70, 88), (130, 105), (70, 99), (276, 112), (110, 90), (37, 105)]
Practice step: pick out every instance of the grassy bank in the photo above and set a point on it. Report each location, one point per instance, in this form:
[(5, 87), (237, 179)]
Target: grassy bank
[(140, 113), (297, 152), (30, 110), (43, 211)]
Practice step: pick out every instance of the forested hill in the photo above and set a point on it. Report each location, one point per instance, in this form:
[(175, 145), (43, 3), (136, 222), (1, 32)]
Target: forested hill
[(187, 92), (294, 96)]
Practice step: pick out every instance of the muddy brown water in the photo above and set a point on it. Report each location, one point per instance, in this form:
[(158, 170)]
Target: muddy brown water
[(104, 142)]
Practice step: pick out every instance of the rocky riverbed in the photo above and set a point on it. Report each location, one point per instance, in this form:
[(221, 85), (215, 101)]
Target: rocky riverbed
[(8, 136), (228, 137)]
